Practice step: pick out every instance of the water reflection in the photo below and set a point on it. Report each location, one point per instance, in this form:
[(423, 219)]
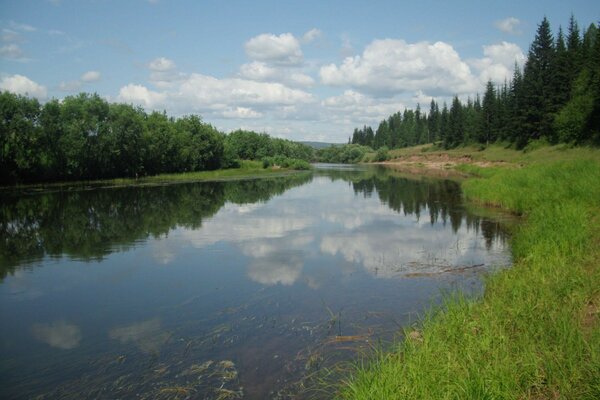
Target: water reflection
[(59, 334), (240, 289), (90, 224)]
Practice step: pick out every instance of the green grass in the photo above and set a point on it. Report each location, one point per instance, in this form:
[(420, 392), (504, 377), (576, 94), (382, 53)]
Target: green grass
[(535, 333), (247, 170)]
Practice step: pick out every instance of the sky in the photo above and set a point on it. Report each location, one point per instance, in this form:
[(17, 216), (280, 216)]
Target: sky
[(302, 70)]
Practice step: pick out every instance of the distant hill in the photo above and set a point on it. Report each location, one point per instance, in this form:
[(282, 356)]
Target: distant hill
[(320, 145)]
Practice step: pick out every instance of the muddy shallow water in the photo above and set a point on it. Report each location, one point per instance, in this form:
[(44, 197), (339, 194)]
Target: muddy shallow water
[(225, 290)]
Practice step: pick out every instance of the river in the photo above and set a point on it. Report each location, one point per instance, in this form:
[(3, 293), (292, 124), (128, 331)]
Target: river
[(222, 290)]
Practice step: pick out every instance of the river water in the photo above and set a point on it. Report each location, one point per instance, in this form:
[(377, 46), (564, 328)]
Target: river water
[(242, 289)]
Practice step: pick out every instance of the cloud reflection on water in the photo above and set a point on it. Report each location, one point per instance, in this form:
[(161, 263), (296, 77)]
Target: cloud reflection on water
[(323, 219), (59, 334)]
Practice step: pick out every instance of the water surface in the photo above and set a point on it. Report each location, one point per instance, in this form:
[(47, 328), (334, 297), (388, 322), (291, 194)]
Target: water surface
[(225, 289)]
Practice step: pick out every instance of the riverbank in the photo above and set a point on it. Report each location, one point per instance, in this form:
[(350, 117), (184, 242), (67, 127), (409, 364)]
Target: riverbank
[(247, 170), (535, 333)]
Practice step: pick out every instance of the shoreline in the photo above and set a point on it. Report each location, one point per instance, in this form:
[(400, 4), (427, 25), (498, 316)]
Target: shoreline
[(534, 331)]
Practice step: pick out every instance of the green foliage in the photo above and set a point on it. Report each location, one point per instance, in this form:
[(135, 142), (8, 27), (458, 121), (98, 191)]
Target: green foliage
[(249, 145), (344, 154), (382, 154), (84, 137)]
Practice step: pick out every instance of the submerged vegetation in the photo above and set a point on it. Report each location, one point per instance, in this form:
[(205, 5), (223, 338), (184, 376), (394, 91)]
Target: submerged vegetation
[(535, 332)]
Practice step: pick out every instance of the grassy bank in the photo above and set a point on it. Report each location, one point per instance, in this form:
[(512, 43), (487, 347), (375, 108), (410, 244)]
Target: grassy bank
[(535, 333), (247, 170)]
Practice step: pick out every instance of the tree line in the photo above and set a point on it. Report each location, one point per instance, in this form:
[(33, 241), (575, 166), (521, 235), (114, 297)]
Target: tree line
[(84, 137), (554, 97)]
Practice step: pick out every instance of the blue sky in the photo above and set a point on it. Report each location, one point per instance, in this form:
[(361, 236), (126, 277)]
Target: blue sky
[(304, 70)]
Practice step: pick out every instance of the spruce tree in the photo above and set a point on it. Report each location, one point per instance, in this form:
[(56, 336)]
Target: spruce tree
[(538, 90), (562, 75), (488, 115)]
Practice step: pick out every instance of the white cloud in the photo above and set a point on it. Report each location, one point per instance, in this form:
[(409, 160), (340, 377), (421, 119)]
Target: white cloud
[(90, 76), (208, 90), (22, 85), (260, 71), (164, 73), (242, 113), (59, 334), (11, 52), (498, 62), (352, 106), (311, 35), (140, 95), (392, 66), (281, 49), (161, 64), (509, 25)]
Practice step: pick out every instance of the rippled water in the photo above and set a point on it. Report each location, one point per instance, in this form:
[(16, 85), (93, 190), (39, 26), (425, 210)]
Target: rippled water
[(227, 289)]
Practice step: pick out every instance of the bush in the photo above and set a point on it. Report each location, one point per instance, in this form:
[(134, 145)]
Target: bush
[(382, 154)]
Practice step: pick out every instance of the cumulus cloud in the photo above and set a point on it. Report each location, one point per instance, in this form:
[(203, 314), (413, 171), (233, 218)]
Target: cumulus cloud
[(281, 49), (90, 76), (59, 334), (260, 71), (164, 73), (23, 85), (141, 95), (311, 35), (391, 66), (498, 62), (224, 98), (351, 109), (509, 25)]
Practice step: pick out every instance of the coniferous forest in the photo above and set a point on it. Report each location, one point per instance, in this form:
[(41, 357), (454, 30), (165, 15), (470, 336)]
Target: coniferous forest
[(554, 97)]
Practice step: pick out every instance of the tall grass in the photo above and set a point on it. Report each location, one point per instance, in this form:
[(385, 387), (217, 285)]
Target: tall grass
[(535, 333)]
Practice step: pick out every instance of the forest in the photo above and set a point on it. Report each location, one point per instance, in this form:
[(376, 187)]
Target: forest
[(554, 97), (84, 137)]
